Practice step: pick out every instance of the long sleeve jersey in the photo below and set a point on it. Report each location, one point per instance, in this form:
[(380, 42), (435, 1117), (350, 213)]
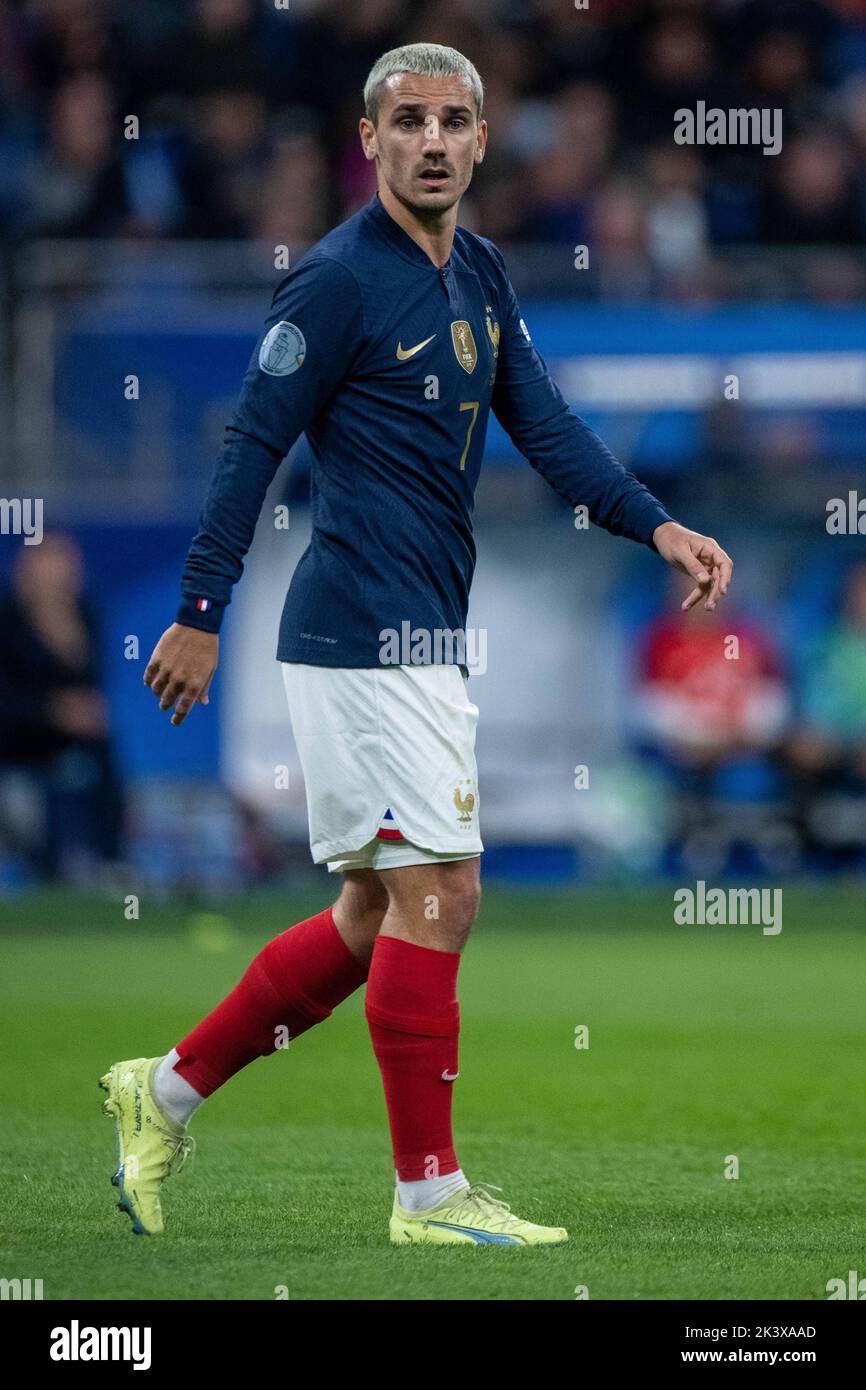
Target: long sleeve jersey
[(391, 366)]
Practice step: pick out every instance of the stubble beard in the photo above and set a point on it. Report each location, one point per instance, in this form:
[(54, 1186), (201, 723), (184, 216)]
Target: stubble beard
[(426, 212)]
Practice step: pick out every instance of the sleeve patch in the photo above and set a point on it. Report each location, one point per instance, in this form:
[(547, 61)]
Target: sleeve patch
[(283, 350)]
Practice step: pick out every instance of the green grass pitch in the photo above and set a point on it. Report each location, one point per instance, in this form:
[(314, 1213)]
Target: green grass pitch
[(704, 1042)]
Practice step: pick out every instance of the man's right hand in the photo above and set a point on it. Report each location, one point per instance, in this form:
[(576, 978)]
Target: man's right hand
[(181, 669)]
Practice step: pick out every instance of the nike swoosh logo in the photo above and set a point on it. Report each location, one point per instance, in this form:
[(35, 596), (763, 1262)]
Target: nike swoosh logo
[(403, 353), (446, 1076)]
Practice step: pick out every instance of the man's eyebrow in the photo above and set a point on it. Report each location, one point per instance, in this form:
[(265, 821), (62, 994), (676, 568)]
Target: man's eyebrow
[(415, 106)]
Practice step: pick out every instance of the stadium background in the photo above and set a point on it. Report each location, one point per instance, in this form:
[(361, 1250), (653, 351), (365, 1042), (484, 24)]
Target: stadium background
[(154, 257)]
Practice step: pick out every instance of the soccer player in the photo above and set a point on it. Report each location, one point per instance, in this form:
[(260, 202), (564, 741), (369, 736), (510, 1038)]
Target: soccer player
[(388, 344)]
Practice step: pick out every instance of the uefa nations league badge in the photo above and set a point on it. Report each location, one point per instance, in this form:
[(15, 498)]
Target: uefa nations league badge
[(283, 350)]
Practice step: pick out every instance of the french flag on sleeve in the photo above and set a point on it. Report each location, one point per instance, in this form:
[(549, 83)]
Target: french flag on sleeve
[(202, 604)]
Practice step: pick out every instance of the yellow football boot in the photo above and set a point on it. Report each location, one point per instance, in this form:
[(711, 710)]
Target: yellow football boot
[(470, 1217), (150, 1145)]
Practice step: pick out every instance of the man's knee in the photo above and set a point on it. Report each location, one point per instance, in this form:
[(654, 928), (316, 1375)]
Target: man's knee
[(460, 895), (441, 901)]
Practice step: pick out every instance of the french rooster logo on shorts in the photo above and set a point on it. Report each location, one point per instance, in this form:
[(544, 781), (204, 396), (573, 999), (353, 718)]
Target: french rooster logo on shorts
[(465, 802)]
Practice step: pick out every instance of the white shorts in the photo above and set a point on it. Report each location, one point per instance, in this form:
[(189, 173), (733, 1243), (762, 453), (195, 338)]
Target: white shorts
[(388, 755)]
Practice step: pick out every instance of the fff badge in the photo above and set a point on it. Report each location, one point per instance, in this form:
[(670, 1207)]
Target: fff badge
[(464, 345)]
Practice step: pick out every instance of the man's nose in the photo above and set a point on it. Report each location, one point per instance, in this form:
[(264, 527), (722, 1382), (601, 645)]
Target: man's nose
[(433, 134)]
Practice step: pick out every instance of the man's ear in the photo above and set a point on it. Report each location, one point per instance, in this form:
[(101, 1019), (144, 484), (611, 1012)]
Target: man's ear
[(369, 145)]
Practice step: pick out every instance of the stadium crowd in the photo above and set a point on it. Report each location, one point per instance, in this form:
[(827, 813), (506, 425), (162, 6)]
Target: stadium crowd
[(247, 115)]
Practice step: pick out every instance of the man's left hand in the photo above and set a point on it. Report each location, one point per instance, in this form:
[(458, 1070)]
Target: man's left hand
[(699, 556)]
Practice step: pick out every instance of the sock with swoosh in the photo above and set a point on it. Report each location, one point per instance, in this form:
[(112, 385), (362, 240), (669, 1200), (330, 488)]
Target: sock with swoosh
[(414, 1021)]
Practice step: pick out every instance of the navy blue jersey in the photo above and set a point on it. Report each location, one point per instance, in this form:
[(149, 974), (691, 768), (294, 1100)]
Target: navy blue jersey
[(391, 366)]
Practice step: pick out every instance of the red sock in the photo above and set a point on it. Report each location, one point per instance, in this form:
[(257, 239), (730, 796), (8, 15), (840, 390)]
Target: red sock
[(414, 1020), (296, 981)]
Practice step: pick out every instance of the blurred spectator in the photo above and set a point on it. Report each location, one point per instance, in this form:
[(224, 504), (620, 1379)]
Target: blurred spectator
[(61, 798), (830, 740), (66, 38), (219, 47), (226, 164), (675, 68), (291, 205), (826, 753), (76, 186), (676, 216), (834, 687), (812, 195), (712, 689), (712, 706)]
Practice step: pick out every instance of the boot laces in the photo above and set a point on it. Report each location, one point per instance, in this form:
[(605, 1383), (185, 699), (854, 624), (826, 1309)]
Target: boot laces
[(479, 1197), (181, 1151)]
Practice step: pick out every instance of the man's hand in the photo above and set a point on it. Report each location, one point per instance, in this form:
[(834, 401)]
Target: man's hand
[(181, 669), (701, 557)]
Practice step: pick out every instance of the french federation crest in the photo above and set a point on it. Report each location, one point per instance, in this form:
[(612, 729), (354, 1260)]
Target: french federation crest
[(464, 345), (283, 350), (465, 803), (493, 330)]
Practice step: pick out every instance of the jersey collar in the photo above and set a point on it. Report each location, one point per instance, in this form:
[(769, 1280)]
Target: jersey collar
[(400, 240)]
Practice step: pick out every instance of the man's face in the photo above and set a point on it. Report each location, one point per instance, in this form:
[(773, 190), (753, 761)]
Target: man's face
[(428, 140)]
